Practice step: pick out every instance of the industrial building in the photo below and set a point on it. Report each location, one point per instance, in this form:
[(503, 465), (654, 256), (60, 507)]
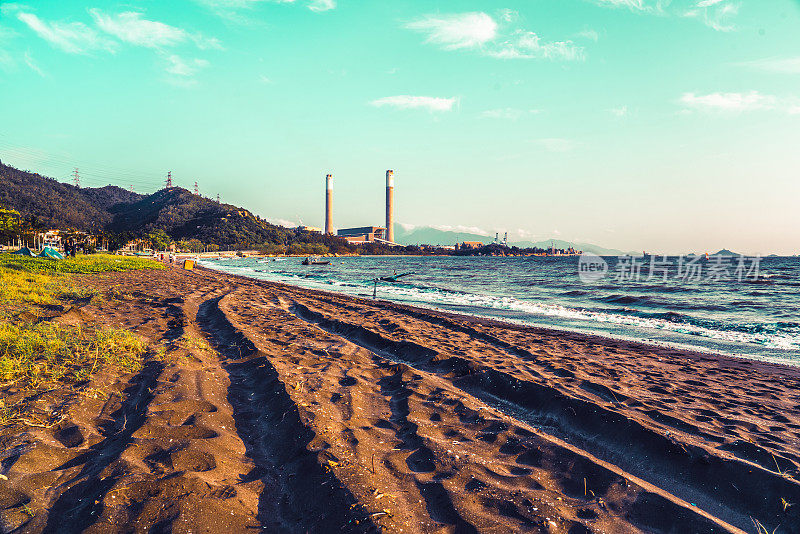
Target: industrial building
[(363, 234)]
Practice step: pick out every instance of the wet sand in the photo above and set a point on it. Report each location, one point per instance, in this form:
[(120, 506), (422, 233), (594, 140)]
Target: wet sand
[(267, 407)]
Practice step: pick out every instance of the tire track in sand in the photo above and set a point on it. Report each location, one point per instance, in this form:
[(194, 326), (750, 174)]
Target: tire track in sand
[(484, 386), (298, 495)]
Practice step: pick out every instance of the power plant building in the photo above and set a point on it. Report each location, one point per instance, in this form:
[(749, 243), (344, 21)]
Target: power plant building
[(363, 234)]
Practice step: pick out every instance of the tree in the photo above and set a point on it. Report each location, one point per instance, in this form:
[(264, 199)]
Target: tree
[(10, 224), (159, 239)]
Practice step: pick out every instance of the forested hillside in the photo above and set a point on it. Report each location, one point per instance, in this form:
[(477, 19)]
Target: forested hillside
[(58, 205), (180, 214)]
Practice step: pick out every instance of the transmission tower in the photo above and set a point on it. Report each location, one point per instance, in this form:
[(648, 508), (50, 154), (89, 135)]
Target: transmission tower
[(169, 180), (131, 188), (196, 189), (218, 198), (76, 178)]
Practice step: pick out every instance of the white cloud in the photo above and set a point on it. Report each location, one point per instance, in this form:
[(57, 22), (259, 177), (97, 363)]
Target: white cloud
[(130, 27), (178, 66), (708, 3), (716, 14), (29, 61), (321, 5), (789, 65), (591, 35), (735, 103), (453, 32), (632, 4), (416, 102), (5, 36), (555, 144), (479, 31), (503, 113), (528, 45), (234, 9), (730, 102), (620, 111), (509, 15), (71, 37), (281, 222), (459, 228), (265, 80)]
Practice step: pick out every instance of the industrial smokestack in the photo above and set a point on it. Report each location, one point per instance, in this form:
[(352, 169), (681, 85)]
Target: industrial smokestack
[(390, 206), (329, 204)]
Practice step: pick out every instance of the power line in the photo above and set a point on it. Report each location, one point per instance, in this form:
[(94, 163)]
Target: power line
[(67, 162), (92, 175)]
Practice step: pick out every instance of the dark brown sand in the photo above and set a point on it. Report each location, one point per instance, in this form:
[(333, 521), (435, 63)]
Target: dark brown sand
[(266, 407)]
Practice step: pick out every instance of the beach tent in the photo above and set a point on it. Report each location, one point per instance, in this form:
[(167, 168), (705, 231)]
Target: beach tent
[(50, 252), (24, 251)]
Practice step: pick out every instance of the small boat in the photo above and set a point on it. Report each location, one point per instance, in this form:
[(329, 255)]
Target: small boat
[(310, 261)]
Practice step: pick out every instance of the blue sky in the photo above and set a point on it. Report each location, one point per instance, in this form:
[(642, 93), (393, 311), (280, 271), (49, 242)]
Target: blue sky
[(635, 124)]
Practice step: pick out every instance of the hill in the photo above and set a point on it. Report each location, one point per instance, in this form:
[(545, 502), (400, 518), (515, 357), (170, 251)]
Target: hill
[(177, 212), (725, 252), (425, 235), (59, 205), (184, 215)]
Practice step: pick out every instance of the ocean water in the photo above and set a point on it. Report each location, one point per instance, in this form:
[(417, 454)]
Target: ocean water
[(757, 317)]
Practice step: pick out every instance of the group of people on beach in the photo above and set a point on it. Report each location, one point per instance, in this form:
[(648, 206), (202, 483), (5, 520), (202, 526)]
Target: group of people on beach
[(71, 248)]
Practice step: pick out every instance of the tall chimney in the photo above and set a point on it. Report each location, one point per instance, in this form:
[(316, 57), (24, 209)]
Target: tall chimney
[(329, 204), (390, 206)]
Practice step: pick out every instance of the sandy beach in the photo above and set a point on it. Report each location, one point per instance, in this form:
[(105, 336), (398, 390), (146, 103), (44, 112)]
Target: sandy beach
[(267, 407)]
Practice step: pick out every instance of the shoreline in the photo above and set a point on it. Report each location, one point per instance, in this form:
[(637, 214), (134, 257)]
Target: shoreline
[(261, 405), (650, 343)]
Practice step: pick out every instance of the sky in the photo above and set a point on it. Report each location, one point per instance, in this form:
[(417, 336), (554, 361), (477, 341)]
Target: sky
[(666, 126)]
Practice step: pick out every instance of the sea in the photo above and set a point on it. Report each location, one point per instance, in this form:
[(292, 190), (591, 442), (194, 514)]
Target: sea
[(743, 307)]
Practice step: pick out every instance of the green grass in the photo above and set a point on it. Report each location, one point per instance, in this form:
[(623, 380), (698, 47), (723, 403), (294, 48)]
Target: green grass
[(50, 353), (35, 354), (26, 288), (96, 263)]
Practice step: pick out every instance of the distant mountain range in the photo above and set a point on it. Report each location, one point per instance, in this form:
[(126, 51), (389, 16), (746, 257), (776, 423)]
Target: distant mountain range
[(432, 236), (426, 235)]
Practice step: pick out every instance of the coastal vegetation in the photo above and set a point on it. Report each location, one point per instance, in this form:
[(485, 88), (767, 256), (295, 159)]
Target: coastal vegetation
[(32, 203), (39, 351), (88, 264)]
